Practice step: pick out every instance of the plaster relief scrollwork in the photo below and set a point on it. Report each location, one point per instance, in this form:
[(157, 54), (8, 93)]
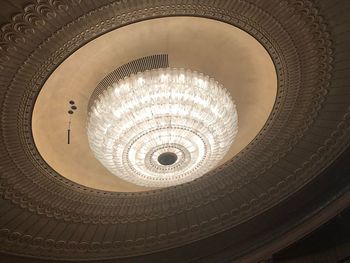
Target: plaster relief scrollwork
[(293, 147)]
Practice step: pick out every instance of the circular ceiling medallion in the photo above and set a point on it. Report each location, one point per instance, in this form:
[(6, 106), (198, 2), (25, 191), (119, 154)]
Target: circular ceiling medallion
[(54, 53), (224, 52), (162, 127)]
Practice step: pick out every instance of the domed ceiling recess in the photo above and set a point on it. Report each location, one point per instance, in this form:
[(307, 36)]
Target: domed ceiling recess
[(146, 131), (157, 43)]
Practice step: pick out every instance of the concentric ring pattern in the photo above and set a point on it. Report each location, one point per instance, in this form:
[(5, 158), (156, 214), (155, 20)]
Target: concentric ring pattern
[(45, 215), (165, 111)]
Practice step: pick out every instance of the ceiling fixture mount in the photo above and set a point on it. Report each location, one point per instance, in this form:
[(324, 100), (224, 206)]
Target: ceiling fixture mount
[(167, 158), (162, 127)]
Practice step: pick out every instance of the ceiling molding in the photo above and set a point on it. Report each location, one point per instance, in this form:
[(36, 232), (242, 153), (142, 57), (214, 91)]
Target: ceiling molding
[(47, 216)]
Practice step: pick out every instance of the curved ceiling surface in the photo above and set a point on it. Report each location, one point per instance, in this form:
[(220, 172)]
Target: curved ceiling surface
[(226, 53), (290, 178)]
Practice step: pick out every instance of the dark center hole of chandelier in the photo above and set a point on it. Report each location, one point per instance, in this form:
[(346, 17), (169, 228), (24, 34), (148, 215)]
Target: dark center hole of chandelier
[(167, 158)]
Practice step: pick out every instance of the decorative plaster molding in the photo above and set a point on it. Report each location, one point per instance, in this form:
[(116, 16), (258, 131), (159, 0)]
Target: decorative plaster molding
[(296, 143)]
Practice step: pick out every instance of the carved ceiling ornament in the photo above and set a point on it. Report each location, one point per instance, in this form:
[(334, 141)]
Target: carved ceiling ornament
[(295, 145)]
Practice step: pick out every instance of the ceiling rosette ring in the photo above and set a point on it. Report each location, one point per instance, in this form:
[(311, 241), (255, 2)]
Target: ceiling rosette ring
[(307, 129)]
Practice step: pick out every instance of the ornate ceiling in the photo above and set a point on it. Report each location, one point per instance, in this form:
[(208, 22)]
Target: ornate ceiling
[(214, 51), (286, 182)]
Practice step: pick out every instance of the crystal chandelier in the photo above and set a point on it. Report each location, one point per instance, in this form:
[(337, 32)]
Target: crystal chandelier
[(162, 127)]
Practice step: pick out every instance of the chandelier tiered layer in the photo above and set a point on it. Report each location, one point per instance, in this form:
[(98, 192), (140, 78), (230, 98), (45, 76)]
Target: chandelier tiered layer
[(162, 127)]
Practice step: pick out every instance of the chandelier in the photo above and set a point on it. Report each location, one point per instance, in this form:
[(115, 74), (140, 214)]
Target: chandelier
[(162, 127)]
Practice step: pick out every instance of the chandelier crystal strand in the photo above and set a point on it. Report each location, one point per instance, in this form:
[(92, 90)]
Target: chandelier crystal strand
[(162, 127)]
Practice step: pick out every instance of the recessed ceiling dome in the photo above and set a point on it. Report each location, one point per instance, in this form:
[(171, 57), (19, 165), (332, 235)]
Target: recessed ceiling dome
[(285, 63), (162, 127)]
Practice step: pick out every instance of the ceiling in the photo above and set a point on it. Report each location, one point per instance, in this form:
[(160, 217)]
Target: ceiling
[(285, 178), (229, 55)]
